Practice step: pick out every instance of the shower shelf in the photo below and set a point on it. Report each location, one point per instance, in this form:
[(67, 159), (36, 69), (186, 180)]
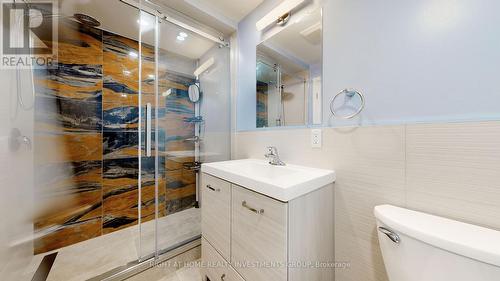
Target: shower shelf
[(197, 119)]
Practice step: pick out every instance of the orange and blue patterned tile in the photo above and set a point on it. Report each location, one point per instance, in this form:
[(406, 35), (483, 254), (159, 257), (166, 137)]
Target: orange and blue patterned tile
[(79, 44), (120, 144), (120, 184)]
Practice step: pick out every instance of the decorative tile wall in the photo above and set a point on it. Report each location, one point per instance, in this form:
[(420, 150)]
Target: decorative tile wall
[(87, 139), (120, 132), (68, 141)]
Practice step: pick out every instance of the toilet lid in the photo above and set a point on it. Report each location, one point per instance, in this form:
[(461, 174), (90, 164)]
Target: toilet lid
[(468, 240)]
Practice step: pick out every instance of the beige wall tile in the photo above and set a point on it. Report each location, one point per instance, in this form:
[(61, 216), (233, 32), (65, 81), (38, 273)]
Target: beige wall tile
[(458, 209), (453, 170), (294, 146), (374, 156), (366, 263), (369, 163)]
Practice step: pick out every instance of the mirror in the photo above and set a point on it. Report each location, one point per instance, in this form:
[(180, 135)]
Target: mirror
[(289, 73), (194, 93)]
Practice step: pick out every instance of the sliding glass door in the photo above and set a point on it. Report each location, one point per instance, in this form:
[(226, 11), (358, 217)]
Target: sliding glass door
[(101, 151), (186, 119)]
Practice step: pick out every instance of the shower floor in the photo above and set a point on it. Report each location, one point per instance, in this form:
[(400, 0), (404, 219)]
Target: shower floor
[(102, 254)]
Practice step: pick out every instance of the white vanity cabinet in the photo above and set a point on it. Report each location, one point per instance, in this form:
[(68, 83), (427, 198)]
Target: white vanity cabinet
[(216, 213), (253, 237)]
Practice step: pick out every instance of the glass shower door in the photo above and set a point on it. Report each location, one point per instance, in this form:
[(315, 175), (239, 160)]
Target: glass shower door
[(269, 109), (80, 176), (150, 197), (104, 148), (184, 130), (181, 124)]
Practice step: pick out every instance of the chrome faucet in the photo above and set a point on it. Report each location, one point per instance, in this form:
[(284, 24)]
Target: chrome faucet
[(274, 158)]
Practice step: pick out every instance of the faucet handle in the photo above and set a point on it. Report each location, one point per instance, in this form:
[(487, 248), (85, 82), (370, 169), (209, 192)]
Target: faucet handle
[(272, 150)]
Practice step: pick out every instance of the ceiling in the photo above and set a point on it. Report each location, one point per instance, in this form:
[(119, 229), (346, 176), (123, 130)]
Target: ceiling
[(229, 12)]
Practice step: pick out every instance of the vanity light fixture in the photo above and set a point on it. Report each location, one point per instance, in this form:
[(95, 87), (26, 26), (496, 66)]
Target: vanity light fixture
[(280, 14), (283, 20)]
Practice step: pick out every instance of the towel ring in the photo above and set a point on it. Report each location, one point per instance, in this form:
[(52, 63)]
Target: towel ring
[(349, 93)]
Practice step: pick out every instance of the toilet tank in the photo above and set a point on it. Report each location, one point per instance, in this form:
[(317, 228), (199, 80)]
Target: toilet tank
[(421, 247)]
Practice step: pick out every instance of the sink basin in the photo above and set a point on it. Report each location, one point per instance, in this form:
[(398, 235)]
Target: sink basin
[(283, 183)]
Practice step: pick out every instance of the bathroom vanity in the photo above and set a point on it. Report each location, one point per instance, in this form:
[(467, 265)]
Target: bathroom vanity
[(262, 222)]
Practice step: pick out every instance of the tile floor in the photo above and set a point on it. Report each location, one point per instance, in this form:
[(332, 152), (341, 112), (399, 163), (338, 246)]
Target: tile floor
[(102, 254), (185, 274)]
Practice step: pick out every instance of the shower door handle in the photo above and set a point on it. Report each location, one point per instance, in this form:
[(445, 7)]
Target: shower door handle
[(148, 129)]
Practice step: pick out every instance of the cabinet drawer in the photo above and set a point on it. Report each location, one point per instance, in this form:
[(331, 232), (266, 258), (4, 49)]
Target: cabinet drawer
[(259, 236), (216, 213), (215, 267)]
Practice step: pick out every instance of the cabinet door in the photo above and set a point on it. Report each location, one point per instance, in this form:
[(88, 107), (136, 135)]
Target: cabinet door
[(215, 267), (259, 236), (216, 213)]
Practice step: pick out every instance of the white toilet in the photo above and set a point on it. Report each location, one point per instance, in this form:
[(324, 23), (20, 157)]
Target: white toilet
[(421, 247)]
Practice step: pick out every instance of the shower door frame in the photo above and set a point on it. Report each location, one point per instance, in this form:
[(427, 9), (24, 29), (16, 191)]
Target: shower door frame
[(164, 13), (149, 260)]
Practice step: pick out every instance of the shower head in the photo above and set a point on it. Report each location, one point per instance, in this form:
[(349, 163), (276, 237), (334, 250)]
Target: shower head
[(86, 20)]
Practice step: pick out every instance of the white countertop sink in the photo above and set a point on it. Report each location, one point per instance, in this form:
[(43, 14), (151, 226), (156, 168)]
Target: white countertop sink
[(283, 183)]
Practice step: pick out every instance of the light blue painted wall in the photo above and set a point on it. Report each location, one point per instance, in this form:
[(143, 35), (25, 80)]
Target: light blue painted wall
[(416, 61)]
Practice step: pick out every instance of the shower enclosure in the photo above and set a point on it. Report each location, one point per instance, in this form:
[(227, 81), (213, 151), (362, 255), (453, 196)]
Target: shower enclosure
[(281, 95), (105, 146)]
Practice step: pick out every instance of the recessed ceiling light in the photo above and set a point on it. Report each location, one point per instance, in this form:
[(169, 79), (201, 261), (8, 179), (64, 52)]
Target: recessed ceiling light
[(151, 76), (183, 34), (180, 38), (133, 54), (127, 72)]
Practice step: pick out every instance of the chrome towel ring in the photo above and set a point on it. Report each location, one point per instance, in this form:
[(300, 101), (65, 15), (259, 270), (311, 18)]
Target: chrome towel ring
[(349, 94)]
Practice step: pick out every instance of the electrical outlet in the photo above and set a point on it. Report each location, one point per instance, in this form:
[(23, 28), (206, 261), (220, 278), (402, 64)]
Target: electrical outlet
[(316, 138)]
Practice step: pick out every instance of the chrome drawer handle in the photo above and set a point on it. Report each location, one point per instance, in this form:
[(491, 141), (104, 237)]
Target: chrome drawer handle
[(244, 204), (213, 189), (391, 234)]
